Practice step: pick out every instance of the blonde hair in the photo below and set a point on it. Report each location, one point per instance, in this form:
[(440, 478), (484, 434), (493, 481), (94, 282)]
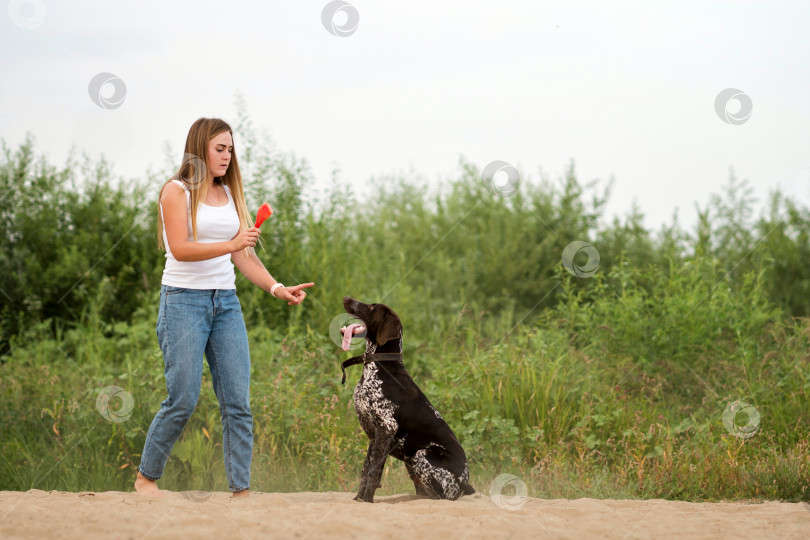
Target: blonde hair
[(195, 175)]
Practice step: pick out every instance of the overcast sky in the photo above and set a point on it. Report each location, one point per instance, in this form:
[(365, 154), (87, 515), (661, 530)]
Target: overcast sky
[(625, 89)]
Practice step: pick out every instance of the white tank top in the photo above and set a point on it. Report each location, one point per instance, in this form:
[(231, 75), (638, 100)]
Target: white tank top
[(214, 224)]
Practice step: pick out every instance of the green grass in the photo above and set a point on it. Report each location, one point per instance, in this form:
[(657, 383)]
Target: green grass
[(620, 395), (610, 386)]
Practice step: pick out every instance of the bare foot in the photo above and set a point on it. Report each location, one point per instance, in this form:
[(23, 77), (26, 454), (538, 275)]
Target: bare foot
[(147, 487), (243, 493)]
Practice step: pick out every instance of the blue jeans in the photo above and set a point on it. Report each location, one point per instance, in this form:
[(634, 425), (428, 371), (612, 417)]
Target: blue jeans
[(190, 322)]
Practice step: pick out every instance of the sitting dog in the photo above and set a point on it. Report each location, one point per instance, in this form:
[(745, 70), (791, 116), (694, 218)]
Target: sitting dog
[(395, 414)]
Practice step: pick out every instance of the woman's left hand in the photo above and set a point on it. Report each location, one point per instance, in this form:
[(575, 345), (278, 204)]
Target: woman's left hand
[(294, 295)]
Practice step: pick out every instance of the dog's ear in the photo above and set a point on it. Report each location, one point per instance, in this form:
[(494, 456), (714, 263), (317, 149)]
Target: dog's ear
[(389, 329)]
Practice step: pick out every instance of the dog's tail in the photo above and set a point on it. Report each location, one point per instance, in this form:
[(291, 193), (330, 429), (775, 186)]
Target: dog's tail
[(467, 489)]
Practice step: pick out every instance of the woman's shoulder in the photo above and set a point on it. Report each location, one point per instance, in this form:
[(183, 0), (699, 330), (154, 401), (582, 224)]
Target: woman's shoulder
[(179, 183), (174, 188)]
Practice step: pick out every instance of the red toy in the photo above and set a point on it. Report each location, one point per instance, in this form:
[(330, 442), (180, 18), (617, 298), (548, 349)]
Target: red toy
[(264, 212)]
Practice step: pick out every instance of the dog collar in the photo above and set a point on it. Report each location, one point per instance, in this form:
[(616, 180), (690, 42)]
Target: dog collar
[(365, 358)]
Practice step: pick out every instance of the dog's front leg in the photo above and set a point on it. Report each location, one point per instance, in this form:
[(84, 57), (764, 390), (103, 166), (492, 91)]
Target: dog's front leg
[(377, 454), (364, 473)]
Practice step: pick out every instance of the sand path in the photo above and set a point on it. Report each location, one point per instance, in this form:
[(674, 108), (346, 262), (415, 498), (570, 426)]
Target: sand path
[(192, 516)]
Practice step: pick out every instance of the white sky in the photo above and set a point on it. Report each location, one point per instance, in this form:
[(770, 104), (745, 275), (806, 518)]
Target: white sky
[(626, 89)]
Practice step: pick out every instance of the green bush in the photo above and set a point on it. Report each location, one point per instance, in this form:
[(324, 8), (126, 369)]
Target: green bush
[(613, 385)]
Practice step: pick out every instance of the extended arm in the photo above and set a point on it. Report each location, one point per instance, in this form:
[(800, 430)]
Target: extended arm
[(253, 269)]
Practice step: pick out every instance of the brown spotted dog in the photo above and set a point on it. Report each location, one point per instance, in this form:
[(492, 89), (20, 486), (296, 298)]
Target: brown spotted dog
[(397, 417)]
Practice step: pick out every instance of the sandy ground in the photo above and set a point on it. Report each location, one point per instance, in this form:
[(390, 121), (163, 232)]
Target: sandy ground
[(192, 515)]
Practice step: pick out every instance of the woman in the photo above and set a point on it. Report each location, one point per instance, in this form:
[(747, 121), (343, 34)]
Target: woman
[(204, 226)]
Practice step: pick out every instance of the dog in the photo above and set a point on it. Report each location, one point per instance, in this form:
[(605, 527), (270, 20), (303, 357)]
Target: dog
[(397, 417)]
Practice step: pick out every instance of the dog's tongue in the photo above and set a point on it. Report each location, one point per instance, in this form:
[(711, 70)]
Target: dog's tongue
[(348, 332)]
